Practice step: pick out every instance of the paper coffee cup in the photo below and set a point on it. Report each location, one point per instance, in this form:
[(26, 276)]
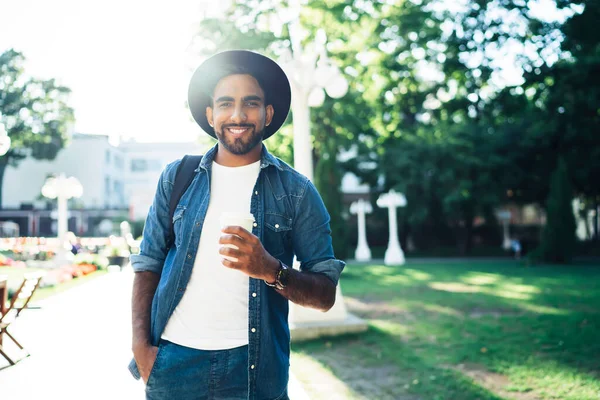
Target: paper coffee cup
[(245, 220)]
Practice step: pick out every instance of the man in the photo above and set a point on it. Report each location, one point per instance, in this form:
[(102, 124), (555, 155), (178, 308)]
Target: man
[(210, 327)]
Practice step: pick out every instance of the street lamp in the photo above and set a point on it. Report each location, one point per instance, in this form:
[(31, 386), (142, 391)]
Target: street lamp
[(62, 188), (391, 200), (312, 74), (504, 216), (4, 139), (360, 208)]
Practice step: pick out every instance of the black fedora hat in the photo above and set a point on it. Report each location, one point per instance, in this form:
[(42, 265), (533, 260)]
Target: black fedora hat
[(267, 72)]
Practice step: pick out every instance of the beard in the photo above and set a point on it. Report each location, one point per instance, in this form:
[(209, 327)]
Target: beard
[(240, 145)]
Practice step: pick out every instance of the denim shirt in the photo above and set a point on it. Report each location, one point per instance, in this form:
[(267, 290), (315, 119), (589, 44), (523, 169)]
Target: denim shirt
[(291, 219)]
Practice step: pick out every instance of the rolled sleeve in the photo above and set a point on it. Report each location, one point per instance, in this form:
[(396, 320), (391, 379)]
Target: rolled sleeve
[(330, 268), (141, 263), (312, 236)]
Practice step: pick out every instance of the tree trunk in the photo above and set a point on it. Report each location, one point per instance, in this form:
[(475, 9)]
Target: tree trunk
[(466, 243), (469, 235), (3, 164)]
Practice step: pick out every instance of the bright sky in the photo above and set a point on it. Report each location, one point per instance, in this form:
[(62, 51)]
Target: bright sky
[(127, 62)]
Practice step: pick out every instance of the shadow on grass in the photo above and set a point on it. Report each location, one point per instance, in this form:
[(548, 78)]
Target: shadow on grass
[(536, 325), (377, 365)]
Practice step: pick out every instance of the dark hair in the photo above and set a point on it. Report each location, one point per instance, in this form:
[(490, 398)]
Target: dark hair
[(238, 70)]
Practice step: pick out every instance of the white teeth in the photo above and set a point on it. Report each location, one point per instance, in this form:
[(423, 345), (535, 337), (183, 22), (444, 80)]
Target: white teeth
[(238, 131)]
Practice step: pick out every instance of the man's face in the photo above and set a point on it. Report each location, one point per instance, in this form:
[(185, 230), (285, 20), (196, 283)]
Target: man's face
[(239, 114)]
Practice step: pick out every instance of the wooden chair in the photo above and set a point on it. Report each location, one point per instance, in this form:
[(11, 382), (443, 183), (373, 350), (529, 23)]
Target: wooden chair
[(18, 303)]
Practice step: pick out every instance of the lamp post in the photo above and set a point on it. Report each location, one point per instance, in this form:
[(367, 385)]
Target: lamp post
[(62, 189), (360, 208), (394, 254), (504, 216), (311, 73)]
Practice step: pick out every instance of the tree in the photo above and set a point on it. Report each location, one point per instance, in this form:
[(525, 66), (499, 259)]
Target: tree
[(437, 142), (34, 112), (456, 141), (328, 182), (571, 100), (554, 113), (558, 238)]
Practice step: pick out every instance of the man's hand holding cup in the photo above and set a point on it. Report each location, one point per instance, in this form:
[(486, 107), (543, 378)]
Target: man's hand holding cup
[(242, 250)]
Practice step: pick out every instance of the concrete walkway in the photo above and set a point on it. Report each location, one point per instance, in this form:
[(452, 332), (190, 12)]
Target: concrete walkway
[(79, 342)]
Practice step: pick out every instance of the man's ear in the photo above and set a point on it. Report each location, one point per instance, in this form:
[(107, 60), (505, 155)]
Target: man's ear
[(270, 113), (209, 116)]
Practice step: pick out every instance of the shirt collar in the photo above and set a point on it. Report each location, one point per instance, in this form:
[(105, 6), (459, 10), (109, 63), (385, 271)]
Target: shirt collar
[(266, 159)]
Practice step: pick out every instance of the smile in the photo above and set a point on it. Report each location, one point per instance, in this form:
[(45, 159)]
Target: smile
[(238, 131)]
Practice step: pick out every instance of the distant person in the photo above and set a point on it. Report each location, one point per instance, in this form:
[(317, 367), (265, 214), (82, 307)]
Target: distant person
[(209, 321), (76, 247), (74, 242), (515, 245)]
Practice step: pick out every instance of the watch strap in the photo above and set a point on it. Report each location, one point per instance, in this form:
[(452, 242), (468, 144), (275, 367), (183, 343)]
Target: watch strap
[(277, 284)]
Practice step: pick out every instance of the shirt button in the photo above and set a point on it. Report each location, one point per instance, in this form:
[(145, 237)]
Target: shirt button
[(252, 366), (253, 294), (253, 330), (189, 256), (276, 226), (197, 223), (256, 193), (255, 224)]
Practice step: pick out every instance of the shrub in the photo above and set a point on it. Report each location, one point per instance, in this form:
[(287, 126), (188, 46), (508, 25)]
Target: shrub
[(558, 236)]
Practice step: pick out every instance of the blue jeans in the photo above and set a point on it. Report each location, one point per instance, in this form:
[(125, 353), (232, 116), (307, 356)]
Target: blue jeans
[(184, 373)]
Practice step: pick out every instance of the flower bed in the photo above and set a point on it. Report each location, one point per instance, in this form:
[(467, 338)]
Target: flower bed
[(22, 255)]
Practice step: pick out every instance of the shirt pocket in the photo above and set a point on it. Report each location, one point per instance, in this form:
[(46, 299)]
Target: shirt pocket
[(278, 235), (178, 224)]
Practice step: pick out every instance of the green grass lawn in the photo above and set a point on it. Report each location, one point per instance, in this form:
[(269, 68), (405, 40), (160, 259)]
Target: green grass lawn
[(15, 277), (473, 331)]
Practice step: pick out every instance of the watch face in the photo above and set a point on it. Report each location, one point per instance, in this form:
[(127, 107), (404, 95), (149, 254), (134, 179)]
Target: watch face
[(284, 276)]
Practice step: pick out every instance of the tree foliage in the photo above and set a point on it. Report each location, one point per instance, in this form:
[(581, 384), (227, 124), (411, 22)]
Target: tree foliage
[(34, 112), (431, 110)]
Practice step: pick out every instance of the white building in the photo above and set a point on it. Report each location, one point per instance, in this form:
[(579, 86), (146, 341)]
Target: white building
[(144, 163), (121, 177), (89, 158)]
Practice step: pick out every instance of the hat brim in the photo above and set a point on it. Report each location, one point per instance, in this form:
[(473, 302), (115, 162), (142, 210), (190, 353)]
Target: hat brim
[(265, 70)]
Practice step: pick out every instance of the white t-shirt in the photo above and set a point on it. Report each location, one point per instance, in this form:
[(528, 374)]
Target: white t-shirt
[(213, 312)]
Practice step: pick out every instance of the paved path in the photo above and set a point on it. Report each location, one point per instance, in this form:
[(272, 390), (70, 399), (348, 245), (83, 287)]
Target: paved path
[(79, 342)]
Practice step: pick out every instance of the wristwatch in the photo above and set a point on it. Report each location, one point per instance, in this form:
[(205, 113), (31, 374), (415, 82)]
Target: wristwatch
[(281, 277)]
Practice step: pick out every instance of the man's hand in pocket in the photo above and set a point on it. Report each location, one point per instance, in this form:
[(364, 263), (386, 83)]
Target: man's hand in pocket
[(145, 356)]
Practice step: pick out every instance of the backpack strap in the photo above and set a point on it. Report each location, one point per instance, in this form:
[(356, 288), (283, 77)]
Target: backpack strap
[(183, 178)]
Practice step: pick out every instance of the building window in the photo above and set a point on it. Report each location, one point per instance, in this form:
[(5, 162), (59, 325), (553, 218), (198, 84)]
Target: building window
[(106, 191), (143, 165), (107, 158), (139, 165), (118, 192), (118, 161)]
